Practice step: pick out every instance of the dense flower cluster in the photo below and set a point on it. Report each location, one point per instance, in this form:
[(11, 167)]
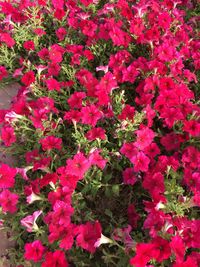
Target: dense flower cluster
[(105, 129)]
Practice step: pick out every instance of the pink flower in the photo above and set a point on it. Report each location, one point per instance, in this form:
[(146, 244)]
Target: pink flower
[(53, 84), (8, 201), (55, 259), (68, 237), (61, 33), (163, 247), (58, 4), (192, 127), (145, 137), (8, 135), (88, 235), (51, 142), (129, 150), (86, 2), (29, 45), (144, 253), (32, 198), (178, 248), (30, 221), (3, 72), (154, 183), (96, 159), (47, 179), (95, 133), (23, 172), (90, 115), (78, 166), (75, 100), (141, 162), (55, 54), (127, 113), (39, 31), (61, 213), (108, 83), (190, 262), (34, 251), (43, 54), (172, 141), (7, 176), (129, 176), (7, 39), (28, 78)]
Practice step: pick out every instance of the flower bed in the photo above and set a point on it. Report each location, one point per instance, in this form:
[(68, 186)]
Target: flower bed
[(105, 129)]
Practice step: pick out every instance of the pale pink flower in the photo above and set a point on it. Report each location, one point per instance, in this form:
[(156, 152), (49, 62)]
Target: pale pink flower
[(30, 221)]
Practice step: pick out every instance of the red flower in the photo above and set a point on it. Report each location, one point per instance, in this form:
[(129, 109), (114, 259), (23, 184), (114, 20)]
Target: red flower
[(73, 115), (95, 133), (42, 163), (108, 83), (154, 183), (3, 72), (53, 84), (141, 162), (129, 176), (34, 251), (7, 176), (127, 113), (144, 253), (96, 159), (28, 78), (61, 213), (44, 54), (58, 4), (68, 238), (172, 141), (8, 201), (51, 142), (29, 45), (55, 53), (7, 39), (78, 166), (86, 2), (55, 259), (48, 178), (75, 100), (54, 69), (39, 32), (90, 115), (145, 137), (178, 248), (88, 235), (8, 135), (192, 127), (129, 150), (61, 33), (190, 262), (163, 247)]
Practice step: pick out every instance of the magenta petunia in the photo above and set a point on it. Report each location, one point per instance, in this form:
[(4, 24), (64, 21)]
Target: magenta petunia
[(34, 251), (51, 142), (7, 176), (8, 135), (55, 259), (8, 201), (28, 78), (78, 166), (88, 234)]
